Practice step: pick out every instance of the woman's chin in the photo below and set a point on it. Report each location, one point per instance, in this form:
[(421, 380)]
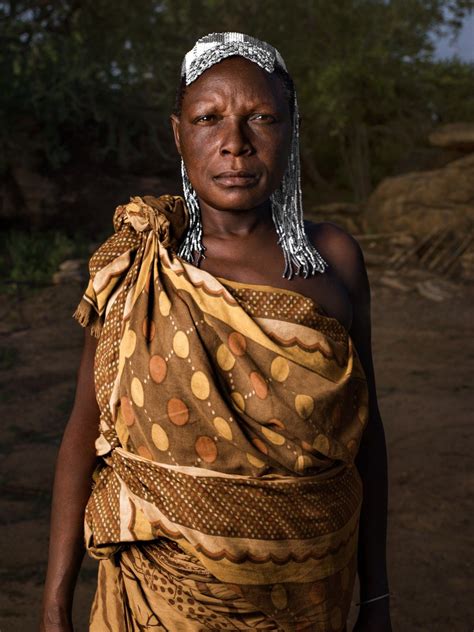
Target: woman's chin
[(232, 198)]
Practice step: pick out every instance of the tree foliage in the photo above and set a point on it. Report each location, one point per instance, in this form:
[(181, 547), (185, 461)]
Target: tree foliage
[(94, 80)]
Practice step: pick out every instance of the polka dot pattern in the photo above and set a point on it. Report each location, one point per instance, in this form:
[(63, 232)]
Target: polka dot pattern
[(156, 570), (290, 307), (256, 396), (197, 390)]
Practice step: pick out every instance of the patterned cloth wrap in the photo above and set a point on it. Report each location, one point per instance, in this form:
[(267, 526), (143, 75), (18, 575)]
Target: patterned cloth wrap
[(231, 415)]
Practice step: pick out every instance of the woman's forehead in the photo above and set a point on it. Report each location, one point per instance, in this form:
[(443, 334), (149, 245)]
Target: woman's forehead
[(236, 77)]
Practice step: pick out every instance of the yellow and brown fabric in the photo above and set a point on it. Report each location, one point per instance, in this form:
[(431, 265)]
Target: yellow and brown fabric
[(230, 418)]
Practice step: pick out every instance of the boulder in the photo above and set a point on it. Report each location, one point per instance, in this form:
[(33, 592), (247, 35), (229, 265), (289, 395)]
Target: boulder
[(421, 201), (25, 193), (345, 214), (454, 136)]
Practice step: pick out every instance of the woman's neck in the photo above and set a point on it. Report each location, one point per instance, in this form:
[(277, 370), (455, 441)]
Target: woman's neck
[(222, 224)]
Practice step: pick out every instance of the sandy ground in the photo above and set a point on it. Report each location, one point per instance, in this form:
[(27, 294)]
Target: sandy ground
[(424, 365)]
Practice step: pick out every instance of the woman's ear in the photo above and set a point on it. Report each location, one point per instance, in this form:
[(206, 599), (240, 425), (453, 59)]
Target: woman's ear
[(175, 125)]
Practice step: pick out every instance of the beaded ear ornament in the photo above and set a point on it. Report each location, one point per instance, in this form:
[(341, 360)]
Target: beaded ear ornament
[(301, 257)]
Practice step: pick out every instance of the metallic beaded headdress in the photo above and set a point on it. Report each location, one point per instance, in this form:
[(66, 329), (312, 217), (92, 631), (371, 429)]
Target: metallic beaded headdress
[(301, 257)]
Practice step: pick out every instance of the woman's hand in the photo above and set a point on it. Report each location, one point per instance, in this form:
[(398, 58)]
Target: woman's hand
[(72, 487), (56, 627), (54, 619), (374, 617)]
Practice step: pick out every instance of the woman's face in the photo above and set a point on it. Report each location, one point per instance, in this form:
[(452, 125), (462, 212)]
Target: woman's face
[(234, 134)]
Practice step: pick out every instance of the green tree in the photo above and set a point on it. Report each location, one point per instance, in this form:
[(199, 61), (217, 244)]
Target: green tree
[(94, 80)]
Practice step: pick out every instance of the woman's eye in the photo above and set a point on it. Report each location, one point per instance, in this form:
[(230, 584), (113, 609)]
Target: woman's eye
[(264, 118), (205, 118)]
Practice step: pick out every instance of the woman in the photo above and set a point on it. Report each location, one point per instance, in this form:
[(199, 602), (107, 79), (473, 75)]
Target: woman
[(234, 403)]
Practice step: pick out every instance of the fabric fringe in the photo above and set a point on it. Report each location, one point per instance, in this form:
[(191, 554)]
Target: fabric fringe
[(86, 316)]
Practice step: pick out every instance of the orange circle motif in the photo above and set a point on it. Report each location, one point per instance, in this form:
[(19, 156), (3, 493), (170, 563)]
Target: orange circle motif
[(317, 593), (146, 287), (259, 385), (206, 448), (158, 368), (127, 411), (259, 444), (148, 329), (178, 412), (237, 343), (352, 446), (276, 422), (143, 451)]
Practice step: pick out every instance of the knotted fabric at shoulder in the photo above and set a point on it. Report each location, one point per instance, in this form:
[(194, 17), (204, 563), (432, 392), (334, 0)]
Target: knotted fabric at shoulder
[(166, 216)]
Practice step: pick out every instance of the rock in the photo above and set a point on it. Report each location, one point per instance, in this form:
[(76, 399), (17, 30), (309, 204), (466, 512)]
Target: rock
[(74, 198), (374, 259), (67, 277), (344, 208), (71, 265), (433, 290), (394, 283), (71, 271), (345, 214), (421, 201), (27, 195), (467, 266), (403, 240), (454, 136)]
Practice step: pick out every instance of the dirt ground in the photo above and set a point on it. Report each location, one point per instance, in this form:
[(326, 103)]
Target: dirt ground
[(424, 365)]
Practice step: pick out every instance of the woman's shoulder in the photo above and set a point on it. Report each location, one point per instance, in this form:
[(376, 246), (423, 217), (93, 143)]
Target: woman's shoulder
[(340, 249)]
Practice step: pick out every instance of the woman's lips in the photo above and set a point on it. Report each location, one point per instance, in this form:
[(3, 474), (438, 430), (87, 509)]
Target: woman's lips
[(242, 179)]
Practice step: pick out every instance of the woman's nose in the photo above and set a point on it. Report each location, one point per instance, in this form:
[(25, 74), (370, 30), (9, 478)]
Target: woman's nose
[(235, 138)]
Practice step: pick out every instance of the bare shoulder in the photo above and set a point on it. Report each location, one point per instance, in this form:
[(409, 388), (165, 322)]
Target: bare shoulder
[(342, 252)]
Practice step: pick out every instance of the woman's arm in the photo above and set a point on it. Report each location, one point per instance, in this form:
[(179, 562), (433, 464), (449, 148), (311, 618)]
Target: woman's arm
[(345, 255), (72, 486), (371, 462)]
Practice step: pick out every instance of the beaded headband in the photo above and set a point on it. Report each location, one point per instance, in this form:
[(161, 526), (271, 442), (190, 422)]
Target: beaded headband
[(301, 257)]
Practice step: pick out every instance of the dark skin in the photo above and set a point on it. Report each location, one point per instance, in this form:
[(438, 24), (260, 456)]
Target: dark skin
[(236, 117), (72, 487), (234, 133)]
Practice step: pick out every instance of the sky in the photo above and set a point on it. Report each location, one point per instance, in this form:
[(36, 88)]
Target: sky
[(463, 47)]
